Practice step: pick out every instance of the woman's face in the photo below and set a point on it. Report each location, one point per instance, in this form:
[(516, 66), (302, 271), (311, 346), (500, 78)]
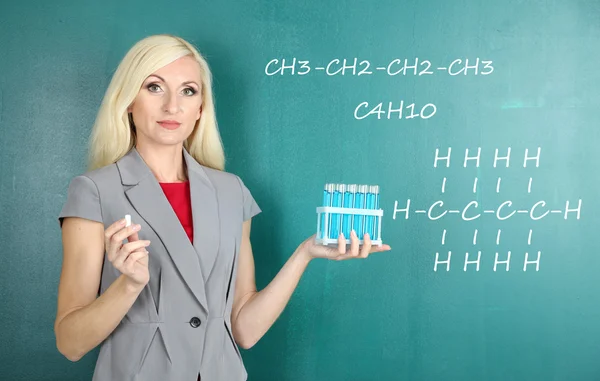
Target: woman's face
[(169, 103)]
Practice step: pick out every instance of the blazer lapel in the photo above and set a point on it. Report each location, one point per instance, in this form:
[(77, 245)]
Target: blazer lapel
[(148, 199), (205, 214)]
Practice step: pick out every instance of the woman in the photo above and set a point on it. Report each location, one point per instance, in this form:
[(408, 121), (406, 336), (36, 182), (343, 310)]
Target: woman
[(176, 288)]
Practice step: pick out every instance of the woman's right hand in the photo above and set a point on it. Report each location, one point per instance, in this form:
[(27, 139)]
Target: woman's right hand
[(131, 259)]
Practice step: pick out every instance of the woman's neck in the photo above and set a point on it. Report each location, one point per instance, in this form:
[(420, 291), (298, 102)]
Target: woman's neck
[(166, 162)]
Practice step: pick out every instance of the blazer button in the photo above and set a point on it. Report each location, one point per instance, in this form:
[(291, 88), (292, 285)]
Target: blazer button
[(195, 322)]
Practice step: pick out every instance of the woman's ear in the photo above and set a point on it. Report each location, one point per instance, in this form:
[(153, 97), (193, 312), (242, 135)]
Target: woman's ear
[(199, 114)]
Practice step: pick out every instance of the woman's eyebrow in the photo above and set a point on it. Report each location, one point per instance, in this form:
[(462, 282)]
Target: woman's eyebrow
[(162, 79), (194, 82)]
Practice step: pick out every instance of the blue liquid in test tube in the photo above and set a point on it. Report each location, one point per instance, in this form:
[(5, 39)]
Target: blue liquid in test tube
[(331, 189), (359, 203), (326, 202), (370, 204), (340, 218), (348, 203), (377, 218), (336, 217)]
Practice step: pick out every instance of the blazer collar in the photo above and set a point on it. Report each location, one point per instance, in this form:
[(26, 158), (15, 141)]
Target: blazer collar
[(134, 169), (193, 261)]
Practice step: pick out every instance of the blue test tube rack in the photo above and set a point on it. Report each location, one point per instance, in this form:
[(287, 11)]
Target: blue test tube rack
[(357, 210)]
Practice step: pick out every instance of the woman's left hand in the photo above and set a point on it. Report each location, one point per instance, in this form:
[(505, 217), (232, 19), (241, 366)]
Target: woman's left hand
[(313, 250)]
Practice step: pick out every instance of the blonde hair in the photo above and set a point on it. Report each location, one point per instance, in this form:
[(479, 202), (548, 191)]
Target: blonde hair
[(112, 135)]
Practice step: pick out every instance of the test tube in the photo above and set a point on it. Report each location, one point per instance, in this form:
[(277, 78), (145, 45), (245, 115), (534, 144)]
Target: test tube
[(348, 203), (340, 223), (330, 189), (377, 218), (359, 203), (336, 217), (369, 204), (326, 202)]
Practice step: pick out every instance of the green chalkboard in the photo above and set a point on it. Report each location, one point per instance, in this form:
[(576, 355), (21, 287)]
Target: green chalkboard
[(309, 93)]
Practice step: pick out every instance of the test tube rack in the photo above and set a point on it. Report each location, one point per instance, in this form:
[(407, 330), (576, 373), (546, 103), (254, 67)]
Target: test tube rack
[(324, 213)]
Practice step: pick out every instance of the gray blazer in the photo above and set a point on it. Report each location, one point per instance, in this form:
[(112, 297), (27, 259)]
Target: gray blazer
[(180, 325)]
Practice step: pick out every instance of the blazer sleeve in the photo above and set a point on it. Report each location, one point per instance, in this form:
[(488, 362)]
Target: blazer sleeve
[(83, 200), (251, 208)]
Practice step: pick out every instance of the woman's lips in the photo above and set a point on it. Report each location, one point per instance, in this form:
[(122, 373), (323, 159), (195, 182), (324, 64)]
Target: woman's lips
[(169, 124)]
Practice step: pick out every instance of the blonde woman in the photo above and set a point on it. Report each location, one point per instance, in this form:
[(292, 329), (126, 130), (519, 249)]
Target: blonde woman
[(171, 296)]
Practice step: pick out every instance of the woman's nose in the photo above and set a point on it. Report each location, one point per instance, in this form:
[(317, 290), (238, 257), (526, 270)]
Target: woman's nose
[(171, 103)]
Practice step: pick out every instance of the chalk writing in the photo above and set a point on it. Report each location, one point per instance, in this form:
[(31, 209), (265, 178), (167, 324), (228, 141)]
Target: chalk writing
[(470, 261), (401, 111), (398, 66), (473, 210)]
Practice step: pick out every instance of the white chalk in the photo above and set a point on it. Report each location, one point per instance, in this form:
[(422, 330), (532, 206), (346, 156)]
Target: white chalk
[(127, 220)]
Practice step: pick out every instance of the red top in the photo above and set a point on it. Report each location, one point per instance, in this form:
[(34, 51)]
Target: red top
[(178, 195)]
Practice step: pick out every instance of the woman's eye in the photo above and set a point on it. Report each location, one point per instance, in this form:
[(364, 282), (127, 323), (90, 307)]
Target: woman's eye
[(189, 91), (153, 87)]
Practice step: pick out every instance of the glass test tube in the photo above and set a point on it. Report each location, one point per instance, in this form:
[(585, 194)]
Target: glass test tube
[(359, 203), (369, 204), (348, 203), (377, 218), (336, 217), (326, 202)]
